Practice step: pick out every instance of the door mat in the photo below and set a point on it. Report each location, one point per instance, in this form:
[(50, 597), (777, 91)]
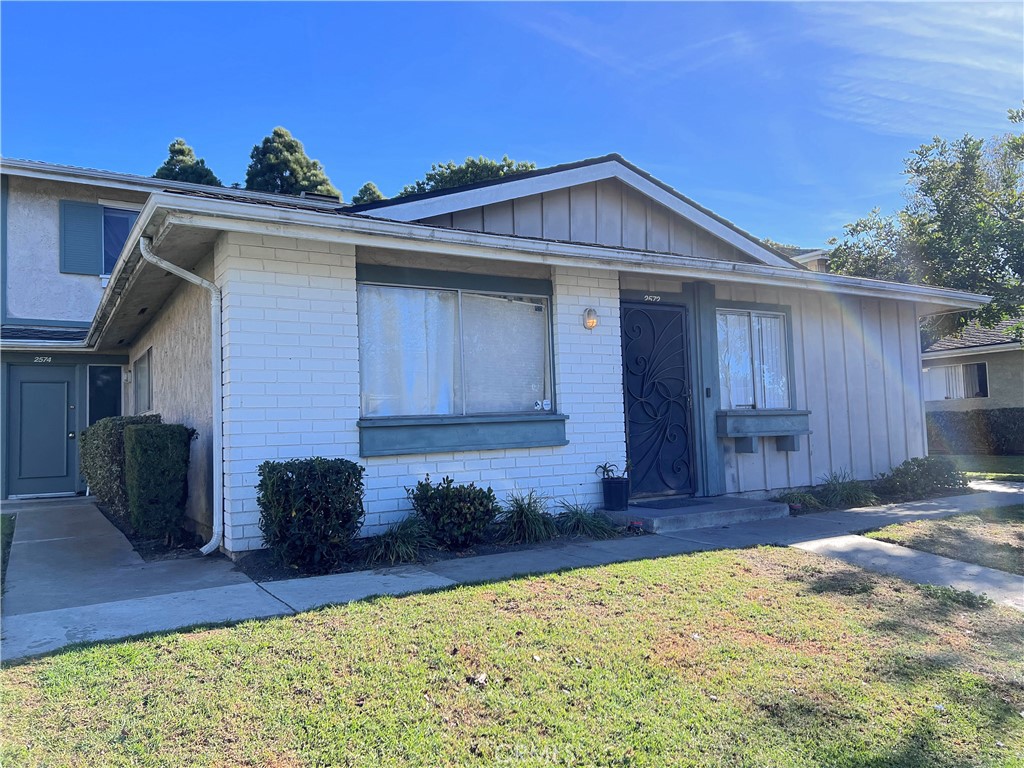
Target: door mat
[(674, 502)]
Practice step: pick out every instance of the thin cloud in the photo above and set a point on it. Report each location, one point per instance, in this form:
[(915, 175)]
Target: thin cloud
[(908, 69)]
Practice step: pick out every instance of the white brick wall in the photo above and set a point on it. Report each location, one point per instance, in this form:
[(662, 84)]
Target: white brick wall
[(292, 383)]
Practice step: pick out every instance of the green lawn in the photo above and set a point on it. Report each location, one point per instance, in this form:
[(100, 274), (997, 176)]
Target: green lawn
[(991, 467), (990, 537), (6, 537), (767, 657)]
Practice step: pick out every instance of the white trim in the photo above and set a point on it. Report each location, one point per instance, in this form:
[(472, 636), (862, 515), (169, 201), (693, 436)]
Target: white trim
[(119, 205), (162, 212), (534, 185), (965, 351), (36, 169)]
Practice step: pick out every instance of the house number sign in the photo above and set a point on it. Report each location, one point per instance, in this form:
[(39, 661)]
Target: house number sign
[(651, 297), (46, 359)]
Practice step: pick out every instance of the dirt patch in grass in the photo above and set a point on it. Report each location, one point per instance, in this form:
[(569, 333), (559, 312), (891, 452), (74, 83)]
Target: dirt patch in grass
[(991, 537), (749, 657)]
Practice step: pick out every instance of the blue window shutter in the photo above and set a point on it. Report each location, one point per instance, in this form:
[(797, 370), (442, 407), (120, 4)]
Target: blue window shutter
[(81, 238)]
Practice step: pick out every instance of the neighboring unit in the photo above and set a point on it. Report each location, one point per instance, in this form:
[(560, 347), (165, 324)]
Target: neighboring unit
[(980, 369), (454, 333)]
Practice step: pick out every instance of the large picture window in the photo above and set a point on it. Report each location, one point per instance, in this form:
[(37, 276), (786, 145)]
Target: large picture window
[(441, 352), (753, 359)]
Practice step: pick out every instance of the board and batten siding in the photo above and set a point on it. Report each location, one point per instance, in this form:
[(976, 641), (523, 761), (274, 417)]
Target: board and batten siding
[(857, 370), (605, 212)]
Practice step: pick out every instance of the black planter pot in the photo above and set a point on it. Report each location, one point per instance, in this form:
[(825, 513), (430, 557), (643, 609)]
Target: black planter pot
[(616, 493)]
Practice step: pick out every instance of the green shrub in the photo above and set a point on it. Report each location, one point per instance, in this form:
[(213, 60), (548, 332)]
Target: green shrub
[(310, 510), (577, 519), (919, 478), (156, 477), (401, 543), (839, 489), (457, 515), (524, 519), (998, 432), (953, 597), (102, 460)]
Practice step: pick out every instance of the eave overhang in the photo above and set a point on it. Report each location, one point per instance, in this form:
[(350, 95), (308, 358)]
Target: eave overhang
[(183, 230)]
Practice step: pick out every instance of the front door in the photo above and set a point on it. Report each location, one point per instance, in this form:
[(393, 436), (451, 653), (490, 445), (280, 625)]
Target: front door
[(657, 389), (42, 430)]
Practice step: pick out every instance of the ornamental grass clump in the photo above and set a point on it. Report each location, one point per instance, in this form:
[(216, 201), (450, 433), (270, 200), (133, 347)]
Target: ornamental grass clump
[(578, 519), (840, 490), (525, 519), (310, 511), (458, 515), (400, 543)]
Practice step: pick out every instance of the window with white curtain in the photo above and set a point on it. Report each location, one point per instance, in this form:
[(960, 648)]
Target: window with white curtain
[(753, 359), (956, 382), (437, 352)]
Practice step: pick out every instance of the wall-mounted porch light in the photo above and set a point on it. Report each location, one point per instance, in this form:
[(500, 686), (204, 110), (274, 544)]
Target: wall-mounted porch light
[(590, 318)]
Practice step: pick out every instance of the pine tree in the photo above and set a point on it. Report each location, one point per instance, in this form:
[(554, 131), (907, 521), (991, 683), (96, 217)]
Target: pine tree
[(280, 164), (182, 165), (447, 175), (368, 193)]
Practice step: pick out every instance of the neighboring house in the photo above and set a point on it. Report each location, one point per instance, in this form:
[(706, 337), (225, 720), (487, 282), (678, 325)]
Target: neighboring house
[(453, 333), (980, 369), (815, 259)]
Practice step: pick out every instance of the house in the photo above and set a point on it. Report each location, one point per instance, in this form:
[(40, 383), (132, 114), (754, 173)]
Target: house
[(514, 333), (815, 259), (974, 387)]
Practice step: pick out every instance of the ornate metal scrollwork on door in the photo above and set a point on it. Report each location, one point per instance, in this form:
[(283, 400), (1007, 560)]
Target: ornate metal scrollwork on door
[(657, 391)]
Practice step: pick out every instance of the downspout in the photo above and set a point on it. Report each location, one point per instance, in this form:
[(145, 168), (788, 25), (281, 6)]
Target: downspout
[(216, 380)]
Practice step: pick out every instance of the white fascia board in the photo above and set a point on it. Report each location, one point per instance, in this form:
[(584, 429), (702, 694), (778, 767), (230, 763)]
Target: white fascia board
[(535, 185), (938, 354), (32, 346), (230, 216), (34, 169)]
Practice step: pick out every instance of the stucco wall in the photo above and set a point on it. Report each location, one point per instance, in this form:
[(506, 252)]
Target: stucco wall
[(36, 288), (180, 372), (292, 388), (1005, 382)]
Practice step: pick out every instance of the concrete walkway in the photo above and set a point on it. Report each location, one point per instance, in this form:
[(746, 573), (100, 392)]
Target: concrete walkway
[(72, 577)]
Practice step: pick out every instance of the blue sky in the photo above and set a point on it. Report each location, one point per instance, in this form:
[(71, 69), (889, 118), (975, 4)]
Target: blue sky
[(790, 119)]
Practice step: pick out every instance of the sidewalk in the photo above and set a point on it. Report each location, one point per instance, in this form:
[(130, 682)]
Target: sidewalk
[(74, 578)]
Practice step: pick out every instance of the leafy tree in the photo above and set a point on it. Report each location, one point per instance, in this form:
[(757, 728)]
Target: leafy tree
[(368, 193), (280, 164), (182, 165), (962, 226), (447, 175)]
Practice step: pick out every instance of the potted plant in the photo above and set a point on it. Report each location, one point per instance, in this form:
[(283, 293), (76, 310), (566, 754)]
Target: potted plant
[(614, 486)]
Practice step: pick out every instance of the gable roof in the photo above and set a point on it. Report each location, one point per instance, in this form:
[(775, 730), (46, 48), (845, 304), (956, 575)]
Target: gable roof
[(438, 202), (976, 338)]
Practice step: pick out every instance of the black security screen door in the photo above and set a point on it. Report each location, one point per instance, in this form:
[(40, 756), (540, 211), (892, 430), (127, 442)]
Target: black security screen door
[(657, 390)]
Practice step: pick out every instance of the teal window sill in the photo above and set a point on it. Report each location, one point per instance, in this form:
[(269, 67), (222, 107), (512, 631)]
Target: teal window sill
[(746, 425), (408, 435)]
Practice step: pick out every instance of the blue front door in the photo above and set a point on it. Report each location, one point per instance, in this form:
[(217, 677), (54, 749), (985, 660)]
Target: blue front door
[(42, 430), (656, 382)]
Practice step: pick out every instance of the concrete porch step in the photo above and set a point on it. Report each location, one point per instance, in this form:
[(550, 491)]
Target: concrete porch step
[(700, 513)]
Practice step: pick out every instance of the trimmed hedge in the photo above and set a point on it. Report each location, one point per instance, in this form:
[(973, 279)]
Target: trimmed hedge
[(310, 510), (101, 453), (156, 477), (457, 514), (998, 432)]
